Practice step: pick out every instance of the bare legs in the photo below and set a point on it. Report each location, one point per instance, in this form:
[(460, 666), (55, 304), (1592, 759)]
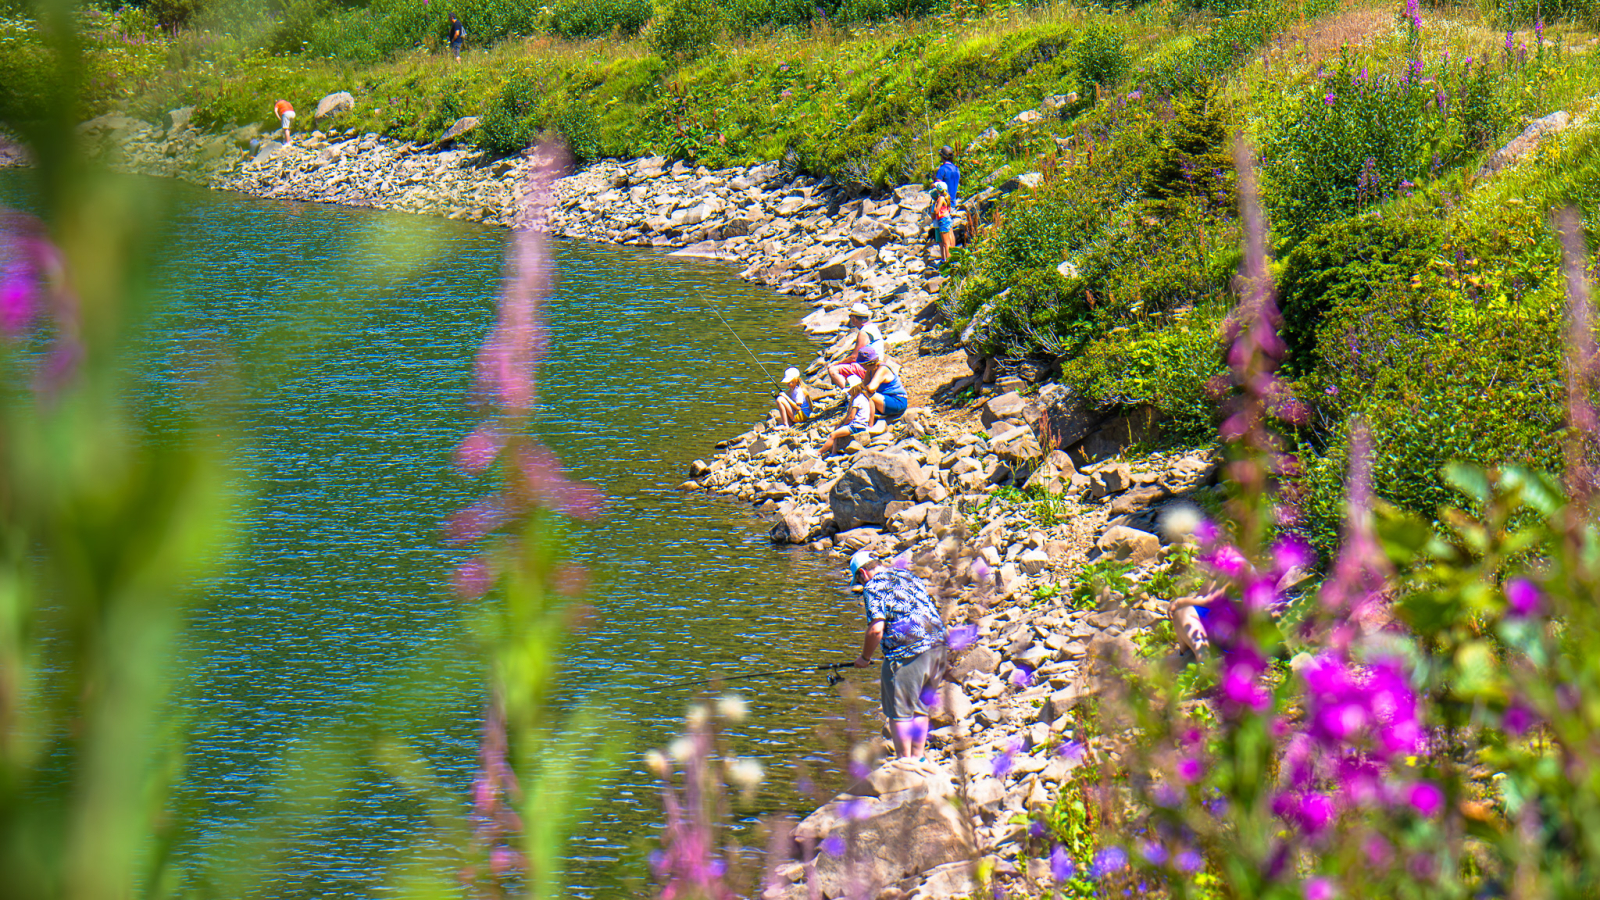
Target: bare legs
[(910, 737)]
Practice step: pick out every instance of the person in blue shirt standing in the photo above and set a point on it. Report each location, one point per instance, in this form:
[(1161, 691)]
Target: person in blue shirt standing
[(949, 174), (904, 620)]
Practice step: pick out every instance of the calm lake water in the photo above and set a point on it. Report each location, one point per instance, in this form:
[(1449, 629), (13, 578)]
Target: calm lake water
[(355, 378)]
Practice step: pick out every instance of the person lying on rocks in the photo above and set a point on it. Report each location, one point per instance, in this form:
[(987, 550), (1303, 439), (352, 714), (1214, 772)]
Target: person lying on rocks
[(868, 334), (794, 402), (904, 621), (1190, 614), (858, 415), (889, 398)]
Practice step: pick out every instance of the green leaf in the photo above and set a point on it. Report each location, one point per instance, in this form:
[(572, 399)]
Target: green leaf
[(1470, 480)]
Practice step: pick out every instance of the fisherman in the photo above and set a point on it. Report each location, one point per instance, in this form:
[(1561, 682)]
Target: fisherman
[(867, 333), (904, 620)]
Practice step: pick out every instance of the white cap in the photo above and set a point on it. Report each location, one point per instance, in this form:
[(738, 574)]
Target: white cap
[(860, 309), (854, 381), (791, 375)]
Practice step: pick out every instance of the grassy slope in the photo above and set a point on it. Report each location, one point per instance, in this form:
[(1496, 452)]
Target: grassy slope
[(1458, 354)]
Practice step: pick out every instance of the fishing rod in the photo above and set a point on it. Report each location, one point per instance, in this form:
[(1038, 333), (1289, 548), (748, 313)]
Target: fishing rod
[(828, 667)]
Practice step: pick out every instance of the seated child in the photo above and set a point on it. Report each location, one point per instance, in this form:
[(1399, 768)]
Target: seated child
[(794, 403), (858, 416)]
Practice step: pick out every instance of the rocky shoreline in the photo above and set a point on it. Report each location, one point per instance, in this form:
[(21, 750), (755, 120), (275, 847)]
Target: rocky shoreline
[(927, 491), (927, 488)]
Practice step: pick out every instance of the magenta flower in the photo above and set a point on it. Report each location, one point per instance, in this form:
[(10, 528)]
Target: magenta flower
[(1190, 769), (1322, 888), (1426, 798), (1329, 98), (18, 288), (1522, 598), (479, 449)]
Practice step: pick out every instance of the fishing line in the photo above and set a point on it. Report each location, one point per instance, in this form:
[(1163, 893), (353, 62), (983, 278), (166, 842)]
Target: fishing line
[(740, 340)]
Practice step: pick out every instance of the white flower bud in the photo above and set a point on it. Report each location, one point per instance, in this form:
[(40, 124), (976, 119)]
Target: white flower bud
[(732, 707)]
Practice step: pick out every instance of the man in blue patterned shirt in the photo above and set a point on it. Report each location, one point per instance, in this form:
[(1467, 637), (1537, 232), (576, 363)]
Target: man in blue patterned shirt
[(905, 622)]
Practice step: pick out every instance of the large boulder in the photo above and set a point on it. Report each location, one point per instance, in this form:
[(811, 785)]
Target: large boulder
[(335, 104), (1129, 545), (875, 479), (1525, 143), (1064, 418), (1138, 426), (1009, 405), (911, 827), (457, 129)]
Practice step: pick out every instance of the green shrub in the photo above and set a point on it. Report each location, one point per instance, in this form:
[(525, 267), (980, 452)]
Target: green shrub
[(684, 29), (1038, 312), (588, 18), (1434, 380), (1523, 13), (1101, 58), (1166, 365), (1344, 264), (511, 122), (578, 127), (1353, 139), (1035, 233)]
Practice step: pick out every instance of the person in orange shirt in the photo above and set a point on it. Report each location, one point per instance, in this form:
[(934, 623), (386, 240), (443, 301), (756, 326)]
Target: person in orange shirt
[(284, 110)]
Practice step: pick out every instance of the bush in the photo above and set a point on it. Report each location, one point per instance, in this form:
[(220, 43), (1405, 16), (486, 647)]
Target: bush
[(1352, 140), (589, 18), (1523, 13), (1344, 265), (684, 29), (511, 122), (1168, 368), (1432, 388), (1101, 58), (1038, 312), (1035, 233)]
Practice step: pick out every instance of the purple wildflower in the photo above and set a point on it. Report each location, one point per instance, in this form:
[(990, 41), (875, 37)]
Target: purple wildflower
[(1190, 769), (1517, 720), (1071, 751), (1426, 798), (856, 808), (1154, 853), (959, 637), (472, 579), (1188, 861), (833, 845), (1108, 861), (1329, 98), (1061, 865), (1322, 888), (1522, 598), (17, 304), (1022, 677), (1003, 760)]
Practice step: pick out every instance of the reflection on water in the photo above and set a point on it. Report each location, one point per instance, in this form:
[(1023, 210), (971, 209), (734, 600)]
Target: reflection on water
[(357, 376)]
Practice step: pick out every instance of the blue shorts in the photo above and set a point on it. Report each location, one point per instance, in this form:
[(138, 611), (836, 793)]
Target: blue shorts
[(942, 223), (857, 429), (893, 407)]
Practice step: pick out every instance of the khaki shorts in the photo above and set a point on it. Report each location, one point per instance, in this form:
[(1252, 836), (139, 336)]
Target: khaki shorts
[(903, 683)]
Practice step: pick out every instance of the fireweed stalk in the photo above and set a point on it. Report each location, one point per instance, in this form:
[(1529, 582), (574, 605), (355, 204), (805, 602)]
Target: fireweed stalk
[(528, 759)]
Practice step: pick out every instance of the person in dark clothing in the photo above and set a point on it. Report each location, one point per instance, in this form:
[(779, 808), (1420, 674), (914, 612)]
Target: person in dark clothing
[(458, 36)]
